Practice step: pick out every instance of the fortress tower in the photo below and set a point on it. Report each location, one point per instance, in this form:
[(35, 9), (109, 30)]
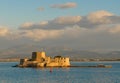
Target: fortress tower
[(36, 56)]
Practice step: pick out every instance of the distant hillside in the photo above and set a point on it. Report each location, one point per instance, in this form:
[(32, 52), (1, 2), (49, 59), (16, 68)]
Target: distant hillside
[(23, 51)]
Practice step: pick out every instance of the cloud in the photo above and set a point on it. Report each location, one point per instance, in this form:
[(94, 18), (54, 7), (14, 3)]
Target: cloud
[(99, 17), (92, 20), (57, 23), (115, 29), (64, 6), (43, 23), (67, 27), (27, 24), (4, 31), (41, 9), (43, 34), (95, 23), (39, 34), (67, 19)]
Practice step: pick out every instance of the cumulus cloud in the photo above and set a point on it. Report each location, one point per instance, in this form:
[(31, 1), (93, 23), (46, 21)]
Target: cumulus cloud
[(39, 34), (115, 19), (57, 23), (43, 23), (41, 9), (64, 6), (36, 34), (97, 30), (67, 19), (115, 29), (4, 31), (99, 17), (92, 20), (27, 24), (95, 23)]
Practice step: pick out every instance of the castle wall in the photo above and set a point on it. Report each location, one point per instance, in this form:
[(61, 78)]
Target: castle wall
[(40, 60), (52, 64)]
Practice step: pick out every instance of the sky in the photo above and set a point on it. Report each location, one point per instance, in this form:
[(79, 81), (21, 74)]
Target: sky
[(80, 24)]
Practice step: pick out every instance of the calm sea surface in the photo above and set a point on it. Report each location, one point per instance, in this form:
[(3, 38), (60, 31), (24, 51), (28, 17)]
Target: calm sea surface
[(10, 74)]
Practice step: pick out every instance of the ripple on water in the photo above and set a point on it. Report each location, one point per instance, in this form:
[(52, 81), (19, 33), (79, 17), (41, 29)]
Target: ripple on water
[(9, 74)]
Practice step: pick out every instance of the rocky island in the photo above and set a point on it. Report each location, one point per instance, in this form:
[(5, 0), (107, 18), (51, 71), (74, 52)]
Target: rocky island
[(39, 59)]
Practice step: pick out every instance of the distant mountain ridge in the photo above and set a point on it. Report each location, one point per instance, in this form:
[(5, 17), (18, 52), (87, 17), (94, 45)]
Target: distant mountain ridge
[(23, 51)]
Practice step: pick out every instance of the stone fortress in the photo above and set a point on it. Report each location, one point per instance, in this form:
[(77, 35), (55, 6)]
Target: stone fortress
[(39, 59)]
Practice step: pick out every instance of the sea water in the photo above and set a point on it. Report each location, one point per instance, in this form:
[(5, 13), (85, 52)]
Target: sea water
[(9, 74)]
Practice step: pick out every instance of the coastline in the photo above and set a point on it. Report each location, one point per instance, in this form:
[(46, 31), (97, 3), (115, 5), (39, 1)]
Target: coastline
[(10, 60), (17, 60)]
